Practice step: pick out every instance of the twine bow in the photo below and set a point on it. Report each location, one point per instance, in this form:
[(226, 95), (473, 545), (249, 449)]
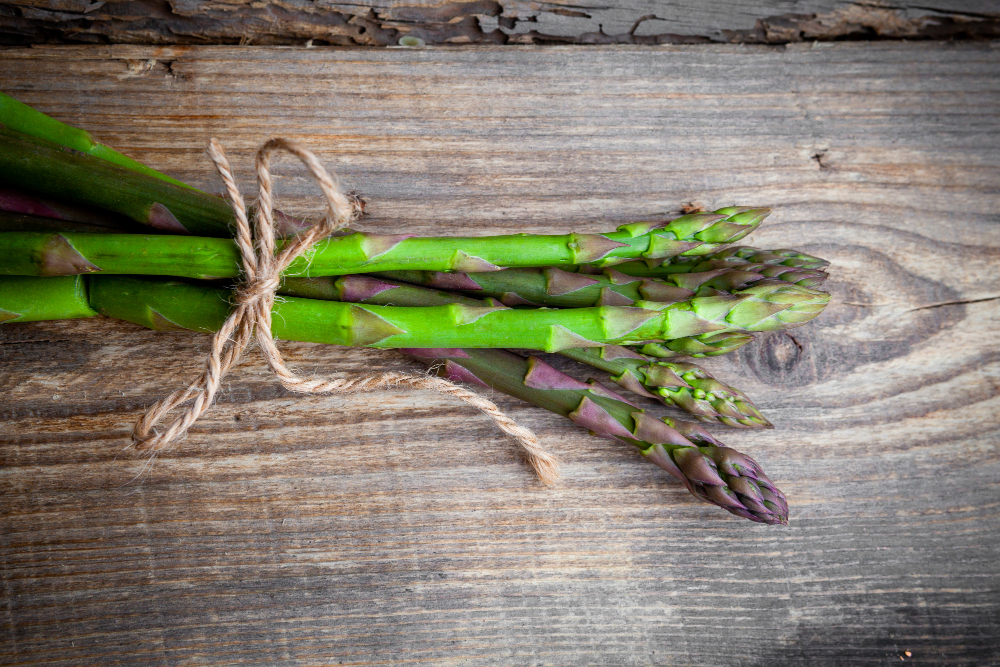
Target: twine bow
[(254, 298)]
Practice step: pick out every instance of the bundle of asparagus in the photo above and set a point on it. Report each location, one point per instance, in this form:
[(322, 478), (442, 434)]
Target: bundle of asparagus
[(85, 231)]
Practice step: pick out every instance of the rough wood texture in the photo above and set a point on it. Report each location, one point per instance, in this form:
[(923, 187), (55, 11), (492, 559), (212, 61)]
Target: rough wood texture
[(398, 527), (409, 22)]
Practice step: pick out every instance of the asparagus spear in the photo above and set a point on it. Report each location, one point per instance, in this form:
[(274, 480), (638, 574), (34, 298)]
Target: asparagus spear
[(784, 257), (23, 222), (157, 304), (15, 202), (21, 118), (27, 299), (782, 262), (48, 132), (713, 473), (684, 385), (191, 257), (45, 169), (687, 386), (551, 286), (365, 289)]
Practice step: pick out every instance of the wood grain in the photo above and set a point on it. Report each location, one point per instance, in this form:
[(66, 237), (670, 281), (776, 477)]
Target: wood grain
[(399, 527)]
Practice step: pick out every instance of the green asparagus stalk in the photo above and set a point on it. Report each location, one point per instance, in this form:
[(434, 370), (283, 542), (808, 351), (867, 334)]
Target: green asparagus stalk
[(812, 278), (38, 167), (355, 252), (784, 257), (27, 299), (21, 118), (369, 290), (689, 235), (551, 286), (14, 202), (151, 302), (686, 386), (713, 473), (23, 222)]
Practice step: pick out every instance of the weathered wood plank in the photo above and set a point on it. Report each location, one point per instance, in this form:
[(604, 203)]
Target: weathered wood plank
[(434, 22), (398, 527)]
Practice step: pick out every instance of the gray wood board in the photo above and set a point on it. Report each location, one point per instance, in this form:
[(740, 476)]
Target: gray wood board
[(387, 22), (399, 527)]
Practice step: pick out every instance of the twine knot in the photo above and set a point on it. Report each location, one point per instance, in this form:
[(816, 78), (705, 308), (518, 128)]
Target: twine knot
[(257, 290), (254, 298)]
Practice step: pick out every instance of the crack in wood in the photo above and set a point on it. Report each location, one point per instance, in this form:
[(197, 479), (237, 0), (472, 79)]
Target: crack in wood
[(387, 23), (957, 302)]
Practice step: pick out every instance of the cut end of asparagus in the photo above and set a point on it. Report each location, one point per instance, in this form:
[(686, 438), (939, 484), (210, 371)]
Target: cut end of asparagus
[(560, 338)]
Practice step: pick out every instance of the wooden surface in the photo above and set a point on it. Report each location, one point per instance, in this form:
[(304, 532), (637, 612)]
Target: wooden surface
[(399, 528), (386, 22)]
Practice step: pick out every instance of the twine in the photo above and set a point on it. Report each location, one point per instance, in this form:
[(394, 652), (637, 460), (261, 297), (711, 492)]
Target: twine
[(254, 298)]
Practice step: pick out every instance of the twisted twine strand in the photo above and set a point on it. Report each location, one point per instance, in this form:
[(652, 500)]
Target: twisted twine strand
[(254, 299)]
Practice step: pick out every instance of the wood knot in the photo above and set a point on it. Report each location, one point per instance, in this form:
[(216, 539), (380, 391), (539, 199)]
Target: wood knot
[(778, 359), (782, 353)]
